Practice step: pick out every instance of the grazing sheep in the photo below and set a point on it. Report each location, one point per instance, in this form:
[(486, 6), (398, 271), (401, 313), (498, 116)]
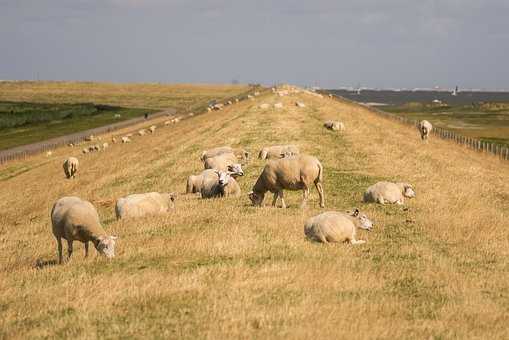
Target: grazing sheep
[(126, 139), (85, 150), (250, 97), (89, 138), (220, 162), (168, 122), (219, 184), (278, 105), (425, 128), (105, 146), (139, 205), (142, 132), (241, 154), (387, 192), (113, 140), (71, 167), (152, 129), (335, 226), (334, 125), (330, 95), (74, 219), (300, 104), (291, 173), (278, 151)]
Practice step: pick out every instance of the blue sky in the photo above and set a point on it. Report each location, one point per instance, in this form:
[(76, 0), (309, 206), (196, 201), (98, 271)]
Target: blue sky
[(376, 43)]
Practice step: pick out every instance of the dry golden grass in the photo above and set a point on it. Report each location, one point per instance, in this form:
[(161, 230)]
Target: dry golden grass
[(138, 95), (223, 269)]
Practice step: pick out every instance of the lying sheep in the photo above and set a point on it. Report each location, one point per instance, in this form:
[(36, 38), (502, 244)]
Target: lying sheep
[(335, 226), (74, 219), (126, 139), (425, 128), (152, 129), (220, 162), (195, 182), (278, 151), (139, 205), (291, 173), (334, 125), (387, 192), (219, 184), (71, 167), (85, 150), (241, 154)]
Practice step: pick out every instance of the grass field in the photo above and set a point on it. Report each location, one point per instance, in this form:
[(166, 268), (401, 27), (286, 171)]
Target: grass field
[(435, 269), (35, 111), (485, 121)]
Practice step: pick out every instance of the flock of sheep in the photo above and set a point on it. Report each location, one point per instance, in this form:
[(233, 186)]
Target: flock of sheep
[(74, 219)]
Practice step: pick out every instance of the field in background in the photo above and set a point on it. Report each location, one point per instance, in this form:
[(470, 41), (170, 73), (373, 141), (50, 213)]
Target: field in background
[(435, 269), (480, 115), (485, 121), (35, 111)]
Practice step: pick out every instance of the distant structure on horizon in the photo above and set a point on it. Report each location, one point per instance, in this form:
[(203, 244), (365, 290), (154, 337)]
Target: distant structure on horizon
[(455, 91)]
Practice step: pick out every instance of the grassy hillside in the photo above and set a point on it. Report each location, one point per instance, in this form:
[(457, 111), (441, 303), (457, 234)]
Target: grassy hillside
[(220, 268), (35, 111), (485, 121)]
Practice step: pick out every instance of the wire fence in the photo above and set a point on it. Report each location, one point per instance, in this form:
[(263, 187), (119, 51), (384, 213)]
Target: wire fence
[(498, 150)]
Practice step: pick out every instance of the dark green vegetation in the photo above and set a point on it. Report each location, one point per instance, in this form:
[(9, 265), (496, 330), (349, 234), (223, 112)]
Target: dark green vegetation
[(24, 123), (485, 121)]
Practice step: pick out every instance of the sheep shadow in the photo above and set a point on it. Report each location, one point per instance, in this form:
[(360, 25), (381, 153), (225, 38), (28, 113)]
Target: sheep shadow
[(41, 264)]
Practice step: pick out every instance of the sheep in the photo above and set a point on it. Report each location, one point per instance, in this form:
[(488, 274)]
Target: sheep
[(194, 182), (300, 104), (126, 139), (237, 100), (425, 128), (256, 93), (291, 173), (220, 162), (142, 132), (278, 151), (139, 205), (113, 140), (387, 192), (209, 109), (89, 138), (168, 122), (85, 150), (219, 184), (74, 219), (241, 154), (71, 167), (278, 105), (117, 115), (332, 226), (264, 106), (105, 146), (49, 153), (334, 125), (152, 129), (250, 97)]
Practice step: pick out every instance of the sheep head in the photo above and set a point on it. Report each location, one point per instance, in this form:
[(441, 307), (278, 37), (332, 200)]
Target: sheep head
[(106, 246), (256, 198), (362, 221)]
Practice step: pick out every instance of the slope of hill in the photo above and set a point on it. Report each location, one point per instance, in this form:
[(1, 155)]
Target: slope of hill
[(221, 268)]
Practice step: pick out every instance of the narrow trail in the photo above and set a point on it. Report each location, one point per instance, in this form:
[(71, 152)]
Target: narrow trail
[(434, 268)]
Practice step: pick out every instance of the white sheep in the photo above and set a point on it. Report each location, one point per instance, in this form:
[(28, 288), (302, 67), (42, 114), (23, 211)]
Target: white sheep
[(126, 139), (335, 226), (300, 104), (425, 128), (71, 167), (291, 173), (388, 192), (334, 125), (113, 140), (278, 105), (219, 184), (105, 146), (220, 162), (74, 219), (241, 154), (152, 129), (278, 151), (142, 132), (139, 205), (85, 150)]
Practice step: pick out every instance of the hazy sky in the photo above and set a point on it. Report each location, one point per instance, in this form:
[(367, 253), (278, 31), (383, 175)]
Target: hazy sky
[(378, 43)]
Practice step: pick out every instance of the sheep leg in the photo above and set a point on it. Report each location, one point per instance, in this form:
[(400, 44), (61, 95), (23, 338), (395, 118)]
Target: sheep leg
[(69, 249), (305, 196), (356, 242), (283, 205), (59, 245), (86, 249), (319, 187), (274, 201)]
